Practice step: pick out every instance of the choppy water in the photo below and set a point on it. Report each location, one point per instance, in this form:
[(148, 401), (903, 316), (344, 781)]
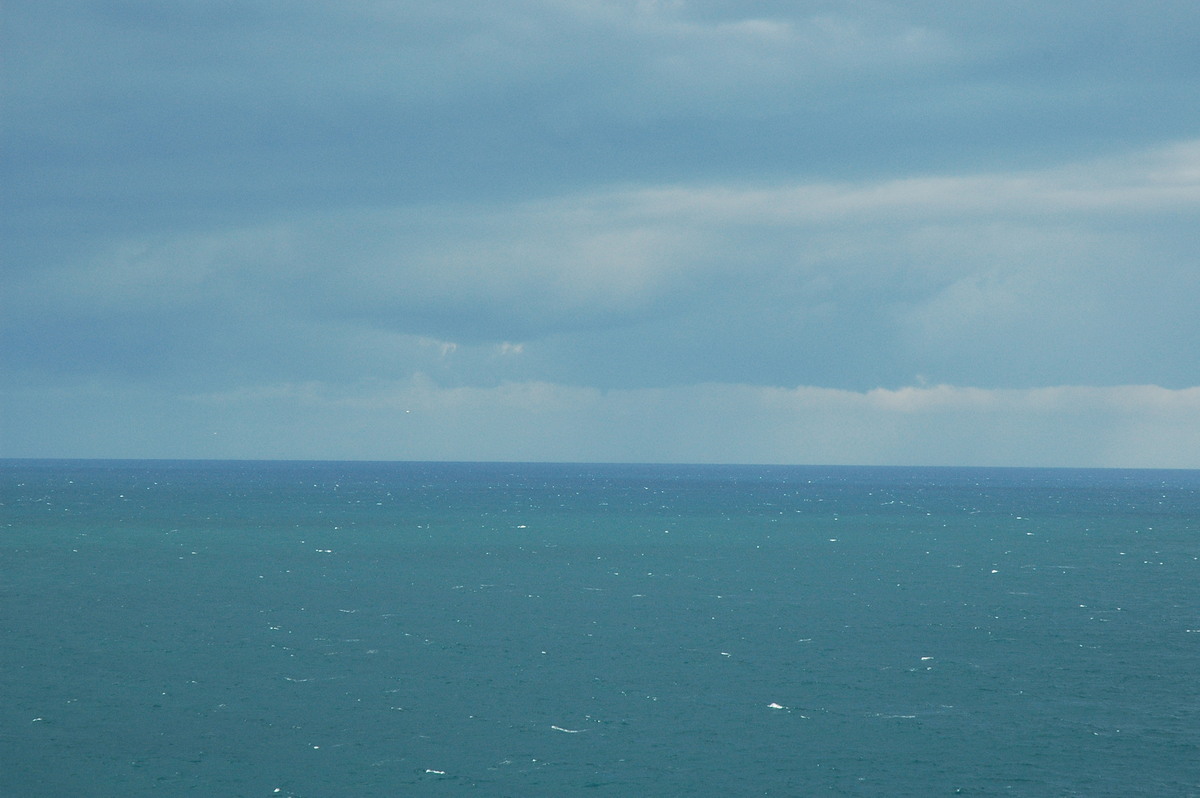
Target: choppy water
[(343, 629)]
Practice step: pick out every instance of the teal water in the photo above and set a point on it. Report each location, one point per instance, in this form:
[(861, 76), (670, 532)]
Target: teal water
[(376, 629)]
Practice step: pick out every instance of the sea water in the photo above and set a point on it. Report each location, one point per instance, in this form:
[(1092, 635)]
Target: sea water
[(395, 629)]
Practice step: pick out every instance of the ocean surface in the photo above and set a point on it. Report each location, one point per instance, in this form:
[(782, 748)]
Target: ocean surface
[(423, 629)]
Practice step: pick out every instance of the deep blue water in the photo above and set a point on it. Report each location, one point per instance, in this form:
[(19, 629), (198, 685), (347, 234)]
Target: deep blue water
[(395, 629)]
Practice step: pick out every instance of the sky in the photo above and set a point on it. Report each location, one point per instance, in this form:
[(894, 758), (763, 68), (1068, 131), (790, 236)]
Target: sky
[(928, 232)]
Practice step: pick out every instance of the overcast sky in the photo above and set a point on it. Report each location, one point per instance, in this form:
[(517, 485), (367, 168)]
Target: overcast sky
[(956, 232)]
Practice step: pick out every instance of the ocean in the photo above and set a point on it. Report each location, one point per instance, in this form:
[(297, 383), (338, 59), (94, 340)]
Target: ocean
[(439, 629)]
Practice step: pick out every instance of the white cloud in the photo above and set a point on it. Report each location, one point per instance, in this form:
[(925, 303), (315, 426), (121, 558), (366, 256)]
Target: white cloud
[(1122, 426), (1163, 179)]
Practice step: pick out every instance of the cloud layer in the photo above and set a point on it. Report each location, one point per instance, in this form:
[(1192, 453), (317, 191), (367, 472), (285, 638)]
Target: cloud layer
[(1127, 427), (993, 280), (765, 231)]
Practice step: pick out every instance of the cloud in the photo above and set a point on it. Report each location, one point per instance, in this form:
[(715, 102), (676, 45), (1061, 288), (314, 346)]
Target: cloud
[(1014, 279), (1122, 426), (163, 113), (621, 196), (623, 57), (1161, 179)]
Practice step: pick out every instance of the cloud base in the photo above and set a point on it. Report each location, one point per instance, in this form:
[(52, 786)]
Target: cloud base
[(1119, 427)]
